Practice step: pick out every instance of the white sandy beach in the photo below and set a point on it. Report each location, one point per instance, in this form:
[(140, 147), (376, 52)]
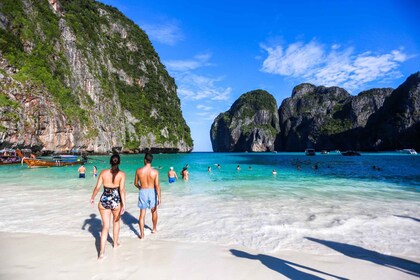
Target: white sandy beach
[(53, 232), (35, 256)]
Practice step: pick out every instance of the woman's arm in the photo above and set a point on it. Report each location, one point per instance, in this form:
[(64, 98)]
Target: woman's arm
[(96, 189), (122, 192)]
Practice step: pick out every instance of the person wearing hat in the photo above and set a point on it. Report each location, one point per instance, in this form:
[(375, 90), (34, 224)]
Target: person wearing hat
[(172, 177)]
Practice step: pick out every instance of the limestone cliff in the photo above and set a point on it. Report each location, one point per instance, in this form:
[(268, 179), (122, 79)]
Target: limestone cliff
[(251, 124), (396, 125), (310, 113), (330, 118), (79, 74)]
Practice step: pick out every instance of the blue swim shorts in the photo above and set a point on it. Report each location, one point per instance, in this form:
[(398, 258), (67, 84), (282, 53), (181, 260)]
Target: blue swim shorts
[(171, 180), (82, 175), (147, 198)]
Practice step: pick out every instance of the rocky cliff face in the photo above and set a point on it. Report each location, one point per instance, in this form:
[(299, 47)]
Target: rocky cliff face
[(326, 118), (396, 125), (79, 74), (310, 113), (330, 118), (251, 124)]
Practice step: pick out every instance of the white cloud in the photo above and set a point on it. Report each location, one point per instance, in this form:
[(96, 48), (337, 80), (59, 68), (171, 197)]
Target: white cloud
[(333, 66), (197, 87), (198, 61), (203, 107), (209, 116), (168, 33), (193, 86)]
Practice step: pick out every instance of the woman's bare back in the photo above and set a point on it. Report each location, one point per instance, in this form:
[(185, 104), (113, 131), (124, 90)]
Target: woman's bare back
[(107, 178)]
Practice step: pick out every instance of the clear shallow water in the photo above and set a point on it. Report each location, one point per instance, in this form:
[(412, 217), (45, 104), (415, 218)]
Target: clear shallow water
[(344, 200)]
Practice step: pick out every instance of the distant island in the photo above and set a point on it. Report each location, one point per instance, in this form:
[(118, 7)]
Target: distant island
[(322, 118)]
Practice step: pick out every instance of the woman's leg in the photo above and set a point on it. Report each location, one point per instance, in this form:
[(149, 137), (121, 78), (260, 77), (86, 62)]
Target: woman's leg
[(105, 215), (116, 225)]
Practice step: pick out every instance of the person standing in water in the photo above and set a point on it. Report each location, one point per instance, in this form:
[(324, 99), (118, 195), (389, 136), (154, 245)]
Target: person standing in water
[(82, 171), (112, 201), (147, 181), (172, 177), (185, 174)]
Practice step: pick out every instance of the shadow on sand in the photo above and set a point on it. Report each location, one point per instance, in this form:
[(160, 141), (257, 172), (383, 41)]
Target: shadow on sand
[(282, 266), (95, 228), (407, 217), (130, 221), (353, 251)]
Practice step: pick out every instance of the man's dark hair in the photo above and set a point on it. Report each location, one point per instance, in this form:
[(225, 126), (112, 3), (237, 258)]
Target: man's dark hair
[(148, 157)]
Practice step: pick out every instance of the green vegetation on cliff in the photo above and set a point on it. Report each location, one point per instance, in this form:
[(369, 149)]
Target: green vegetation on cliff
[(30, 47), (116, 53)]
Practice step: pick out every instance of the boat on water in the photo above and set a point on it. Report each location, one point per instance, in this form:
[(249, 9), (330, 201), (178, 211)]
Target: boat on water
[(350, 153), (310, 152), (324, 152), (9, 156), (57, 162), (65, 158), (408, 151)]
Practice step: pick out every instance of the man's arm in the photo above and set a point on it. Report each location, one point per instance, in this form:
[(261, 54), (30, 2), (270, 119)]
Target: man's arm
[(157, 187), (136, 180)]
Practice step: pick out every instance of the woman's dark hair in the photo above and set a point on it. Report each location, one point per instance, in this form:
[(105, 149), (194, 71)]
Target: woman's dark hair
[(115, 162)]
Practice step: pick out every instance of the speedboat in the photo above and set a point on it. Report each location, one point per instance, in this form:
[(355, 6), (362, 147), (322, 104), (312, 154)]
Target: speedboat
[(310, 152), (350, 153), (408, 151)]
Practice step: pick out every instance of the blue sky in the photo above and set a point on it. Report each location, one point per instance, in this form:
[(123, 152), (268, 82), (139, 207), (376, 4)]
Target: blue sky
[(217, 50)]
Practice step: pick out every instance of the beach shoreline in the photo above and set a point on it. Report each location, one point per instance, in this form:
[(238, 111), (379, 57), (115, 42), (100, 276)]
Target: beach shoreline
[(39, 256)]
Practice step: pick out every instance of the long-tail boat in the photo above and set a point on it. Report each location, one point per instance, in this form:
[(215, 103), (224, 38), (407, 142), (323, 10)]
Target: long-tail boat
[(33, 162), (8, 156)]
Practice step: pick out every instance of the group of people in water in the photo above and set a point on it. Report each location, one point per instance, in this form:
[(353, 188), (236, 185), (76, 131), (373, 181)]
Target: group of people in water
[(173, 177), (113, 199)]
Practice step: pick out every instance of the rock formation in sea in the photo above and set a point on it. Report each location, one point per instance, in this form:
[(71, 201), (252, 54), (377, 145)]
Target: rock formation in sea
[(251, 124), (326, 118), (79, 74), (329, 118), (396, 125)]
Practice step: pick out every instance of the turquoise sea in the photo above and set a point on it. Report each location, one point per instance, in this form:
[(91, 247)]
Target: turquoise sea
[(344, 200)]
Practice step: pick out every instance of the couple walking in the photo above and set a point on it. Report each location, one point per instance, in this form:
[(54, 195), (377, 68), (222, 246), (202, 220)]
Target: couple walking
[(113, 199)]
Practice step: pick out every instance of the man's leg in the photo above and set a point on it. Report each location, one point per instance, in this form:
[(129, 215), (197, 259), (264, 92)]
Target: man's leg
[(141, 222), (154, 218)]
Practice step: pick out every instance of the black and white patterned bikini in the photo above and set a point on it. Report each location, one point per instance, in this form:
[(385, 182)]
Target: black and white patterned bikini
[(111, 198)]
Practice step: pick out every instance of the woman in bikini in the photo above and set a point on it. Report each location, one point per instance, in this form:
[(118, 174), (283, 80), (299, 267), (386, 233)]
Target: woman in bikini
[(112, 201)]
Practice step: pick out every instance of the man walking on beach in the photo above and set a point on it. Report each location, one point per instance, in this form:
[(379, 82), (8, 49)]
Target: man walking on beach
[(147, 181)]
